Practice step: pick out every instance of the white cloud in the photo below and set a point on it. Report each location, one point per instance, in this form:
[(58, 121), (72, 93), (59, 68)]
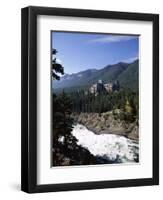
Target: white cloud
[(112, 38)]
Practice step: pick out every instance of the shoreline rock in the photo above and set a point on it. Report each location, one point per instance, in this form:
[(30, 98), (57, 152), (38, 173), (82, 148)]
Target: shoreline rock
[(108, 123)]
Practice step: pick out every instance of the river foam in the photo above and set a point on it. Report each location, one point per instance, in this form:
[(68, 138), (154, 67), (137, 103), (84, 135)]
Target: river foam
[(109, 146)]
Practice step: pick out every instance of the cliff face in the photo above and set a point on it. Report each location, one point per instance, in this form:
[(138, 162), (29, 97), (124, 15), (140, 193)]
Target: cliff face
[(108, 123)]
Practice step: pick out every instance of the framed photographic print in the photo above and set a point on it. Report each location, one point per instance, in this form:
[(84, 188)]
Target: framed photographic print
[(90, 99)]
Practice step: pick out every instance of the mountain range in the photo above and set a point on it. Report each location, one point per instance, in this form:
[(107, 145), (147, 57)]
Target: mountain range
[(126, 73)]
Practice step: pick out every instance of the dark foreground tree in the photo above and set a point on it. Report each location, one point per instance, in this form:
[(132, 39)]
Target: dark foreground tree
[(62, 120), (56, 67)]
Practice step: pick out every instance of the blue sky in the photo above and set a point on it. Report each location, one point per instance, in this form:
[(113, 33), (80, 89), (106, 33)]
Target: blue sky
[(82, 51)]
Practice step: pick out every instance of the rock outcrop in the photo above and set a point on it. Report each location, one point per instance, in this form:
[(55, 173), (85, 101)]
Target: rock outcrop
[(108, 123)]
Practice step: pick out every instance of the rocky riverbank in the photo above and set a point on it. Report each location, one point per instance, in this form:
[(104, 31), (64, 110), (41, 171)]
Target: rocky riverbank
[(110, 122)]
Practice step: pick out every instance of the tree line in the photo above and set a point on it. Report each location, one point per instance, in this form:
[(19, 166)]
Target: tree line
[(125, 99)]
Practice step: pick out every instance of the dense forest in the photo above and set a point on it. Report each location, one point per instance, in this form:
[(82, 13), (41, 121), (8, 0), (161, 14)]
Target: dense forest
[(126, 100)]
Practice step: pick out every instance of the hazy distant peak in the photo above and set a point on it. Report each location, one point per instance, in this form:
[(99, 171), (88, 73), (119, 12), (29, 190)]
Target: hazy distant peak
[(126, 73)]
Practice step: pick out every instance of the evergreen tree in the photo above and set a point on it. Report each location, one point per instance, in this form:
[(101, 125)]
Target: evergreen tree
[(62, 108), (56, 67), (62, 120), (124, 99)]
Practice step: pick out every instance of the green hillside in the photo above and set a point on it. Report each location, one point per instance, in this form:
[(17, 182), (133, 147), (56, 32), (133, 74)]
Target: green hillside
[(127, 74), (129, 77)]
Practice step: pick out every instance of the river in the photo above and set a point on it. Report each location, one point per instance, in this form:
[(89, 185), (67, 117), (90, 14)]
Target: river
[(109, 146)]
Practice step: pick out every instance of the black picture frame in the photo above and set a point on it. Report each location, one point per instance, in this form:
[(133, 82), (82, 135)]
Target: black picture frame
[(29, 99)]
